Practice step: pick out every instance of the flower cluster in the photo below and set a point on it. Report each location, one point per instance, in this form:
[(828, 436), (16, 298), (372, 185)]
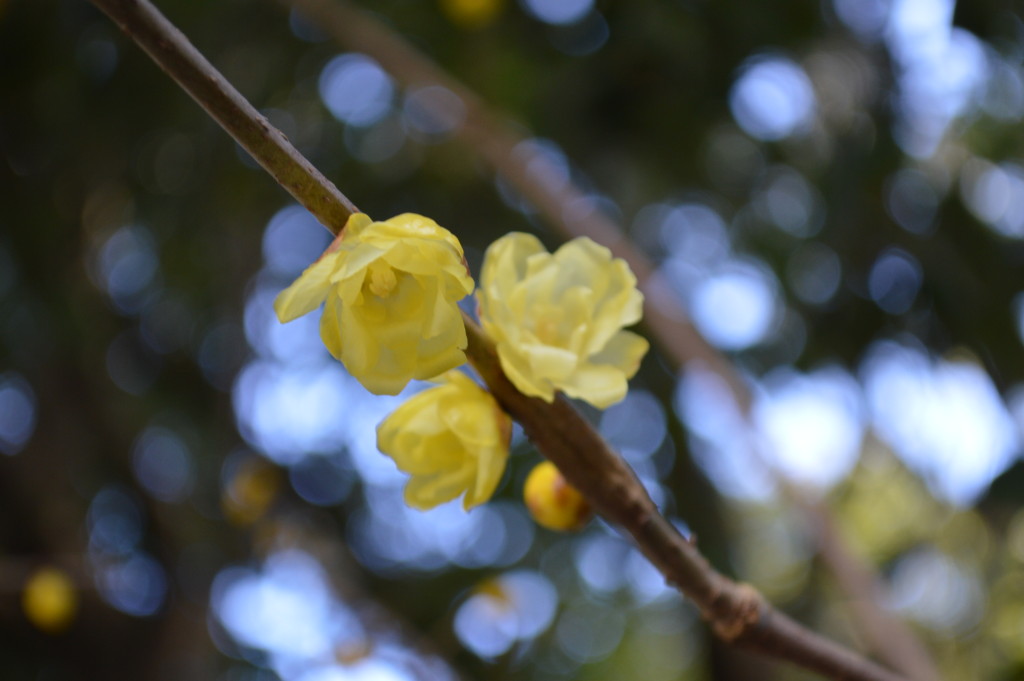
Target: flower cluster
[(390, 292)]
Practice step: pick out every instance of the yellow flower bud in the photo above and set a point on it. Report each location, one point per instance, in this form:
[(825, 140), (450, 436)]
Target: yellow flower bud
[(452, 439), (472, 14), (557, 319), (49, 600), (250, 492), (553, 502), (390, 291)]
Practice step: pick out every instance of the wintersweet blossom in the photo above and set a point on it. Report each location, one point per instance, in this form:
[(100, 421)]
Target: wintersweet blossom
[(557, 319), (452, 439), (390, 291)]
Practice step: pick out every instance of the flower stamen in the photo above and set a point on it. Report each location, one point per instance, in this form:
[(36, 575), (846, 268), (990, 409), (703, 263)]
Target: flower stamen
[(382, 279)]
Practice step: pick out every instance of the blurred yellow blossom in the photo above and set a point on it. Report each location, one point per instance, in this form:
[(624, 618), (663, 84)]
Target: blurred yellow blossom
[(49, 600), (452, 438), (472, 14), (390, 291), (557, 319), (553, 502), (250, 491)]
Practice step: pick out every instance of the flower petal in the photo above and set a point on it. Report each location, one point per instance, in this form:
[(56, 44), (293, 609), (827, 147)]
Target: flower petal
[(426, 492), (599, 384), (517, 369), (330, 327), (308, 291), (624, 351)]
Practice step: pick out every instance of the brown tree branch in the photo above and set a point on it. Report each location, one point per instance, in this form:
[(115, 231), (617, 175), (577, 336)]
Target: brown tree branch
[(498, 143), (738, 613)]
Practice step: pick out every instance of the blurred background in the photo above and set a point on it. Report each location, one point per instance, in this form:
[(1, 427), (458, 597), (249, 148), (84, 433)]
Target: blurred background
[(833, 189)]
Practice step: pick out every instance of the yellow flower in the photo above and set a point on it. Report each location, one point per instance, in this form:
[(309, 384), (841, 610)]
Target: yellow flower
[(557, 319), (452, 438), (49, 600), (553, 502), (390, 291)]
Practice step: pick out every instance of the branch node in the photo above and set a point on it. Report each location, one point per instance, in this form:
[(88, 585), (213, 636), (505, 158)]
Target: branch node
[(743, 612)]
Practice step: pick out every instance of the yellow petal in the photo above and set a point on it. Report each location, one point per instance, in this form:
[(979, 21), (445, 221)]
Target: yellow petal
[(410, 225), (355, 224), (360, 351), (431, 365), (553, 363), (623, 307), (488, 474), (505, 260), (624, 351), (427, 492), (308, 291), (388, 376), (517, 369), (330, 327), (354, 259), (599, 384)]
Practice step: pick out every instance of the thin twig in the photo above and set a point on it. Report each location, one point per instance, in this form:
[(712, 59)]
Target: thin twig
[(172, 51), (563, 206), (738, 613)]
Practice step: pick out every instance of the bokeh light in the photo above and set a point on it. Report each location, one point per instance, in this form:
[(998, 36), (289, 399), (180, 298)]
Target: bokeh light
[(292, 241), (895, 280), (940, 71), (582, 37), (288, 412), (867, 18), (719, 437), (736, 306), (788, 201), (943, 417), (912, 201), (814, 272), (287, 608), (772, 98), (17, 413), (558, 11), (515, 606), (136, 584), (126, 266), (995, 194), (812, 423), (356, 90), (936, 591), (545, 161), (432, 113), (163, 465)]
